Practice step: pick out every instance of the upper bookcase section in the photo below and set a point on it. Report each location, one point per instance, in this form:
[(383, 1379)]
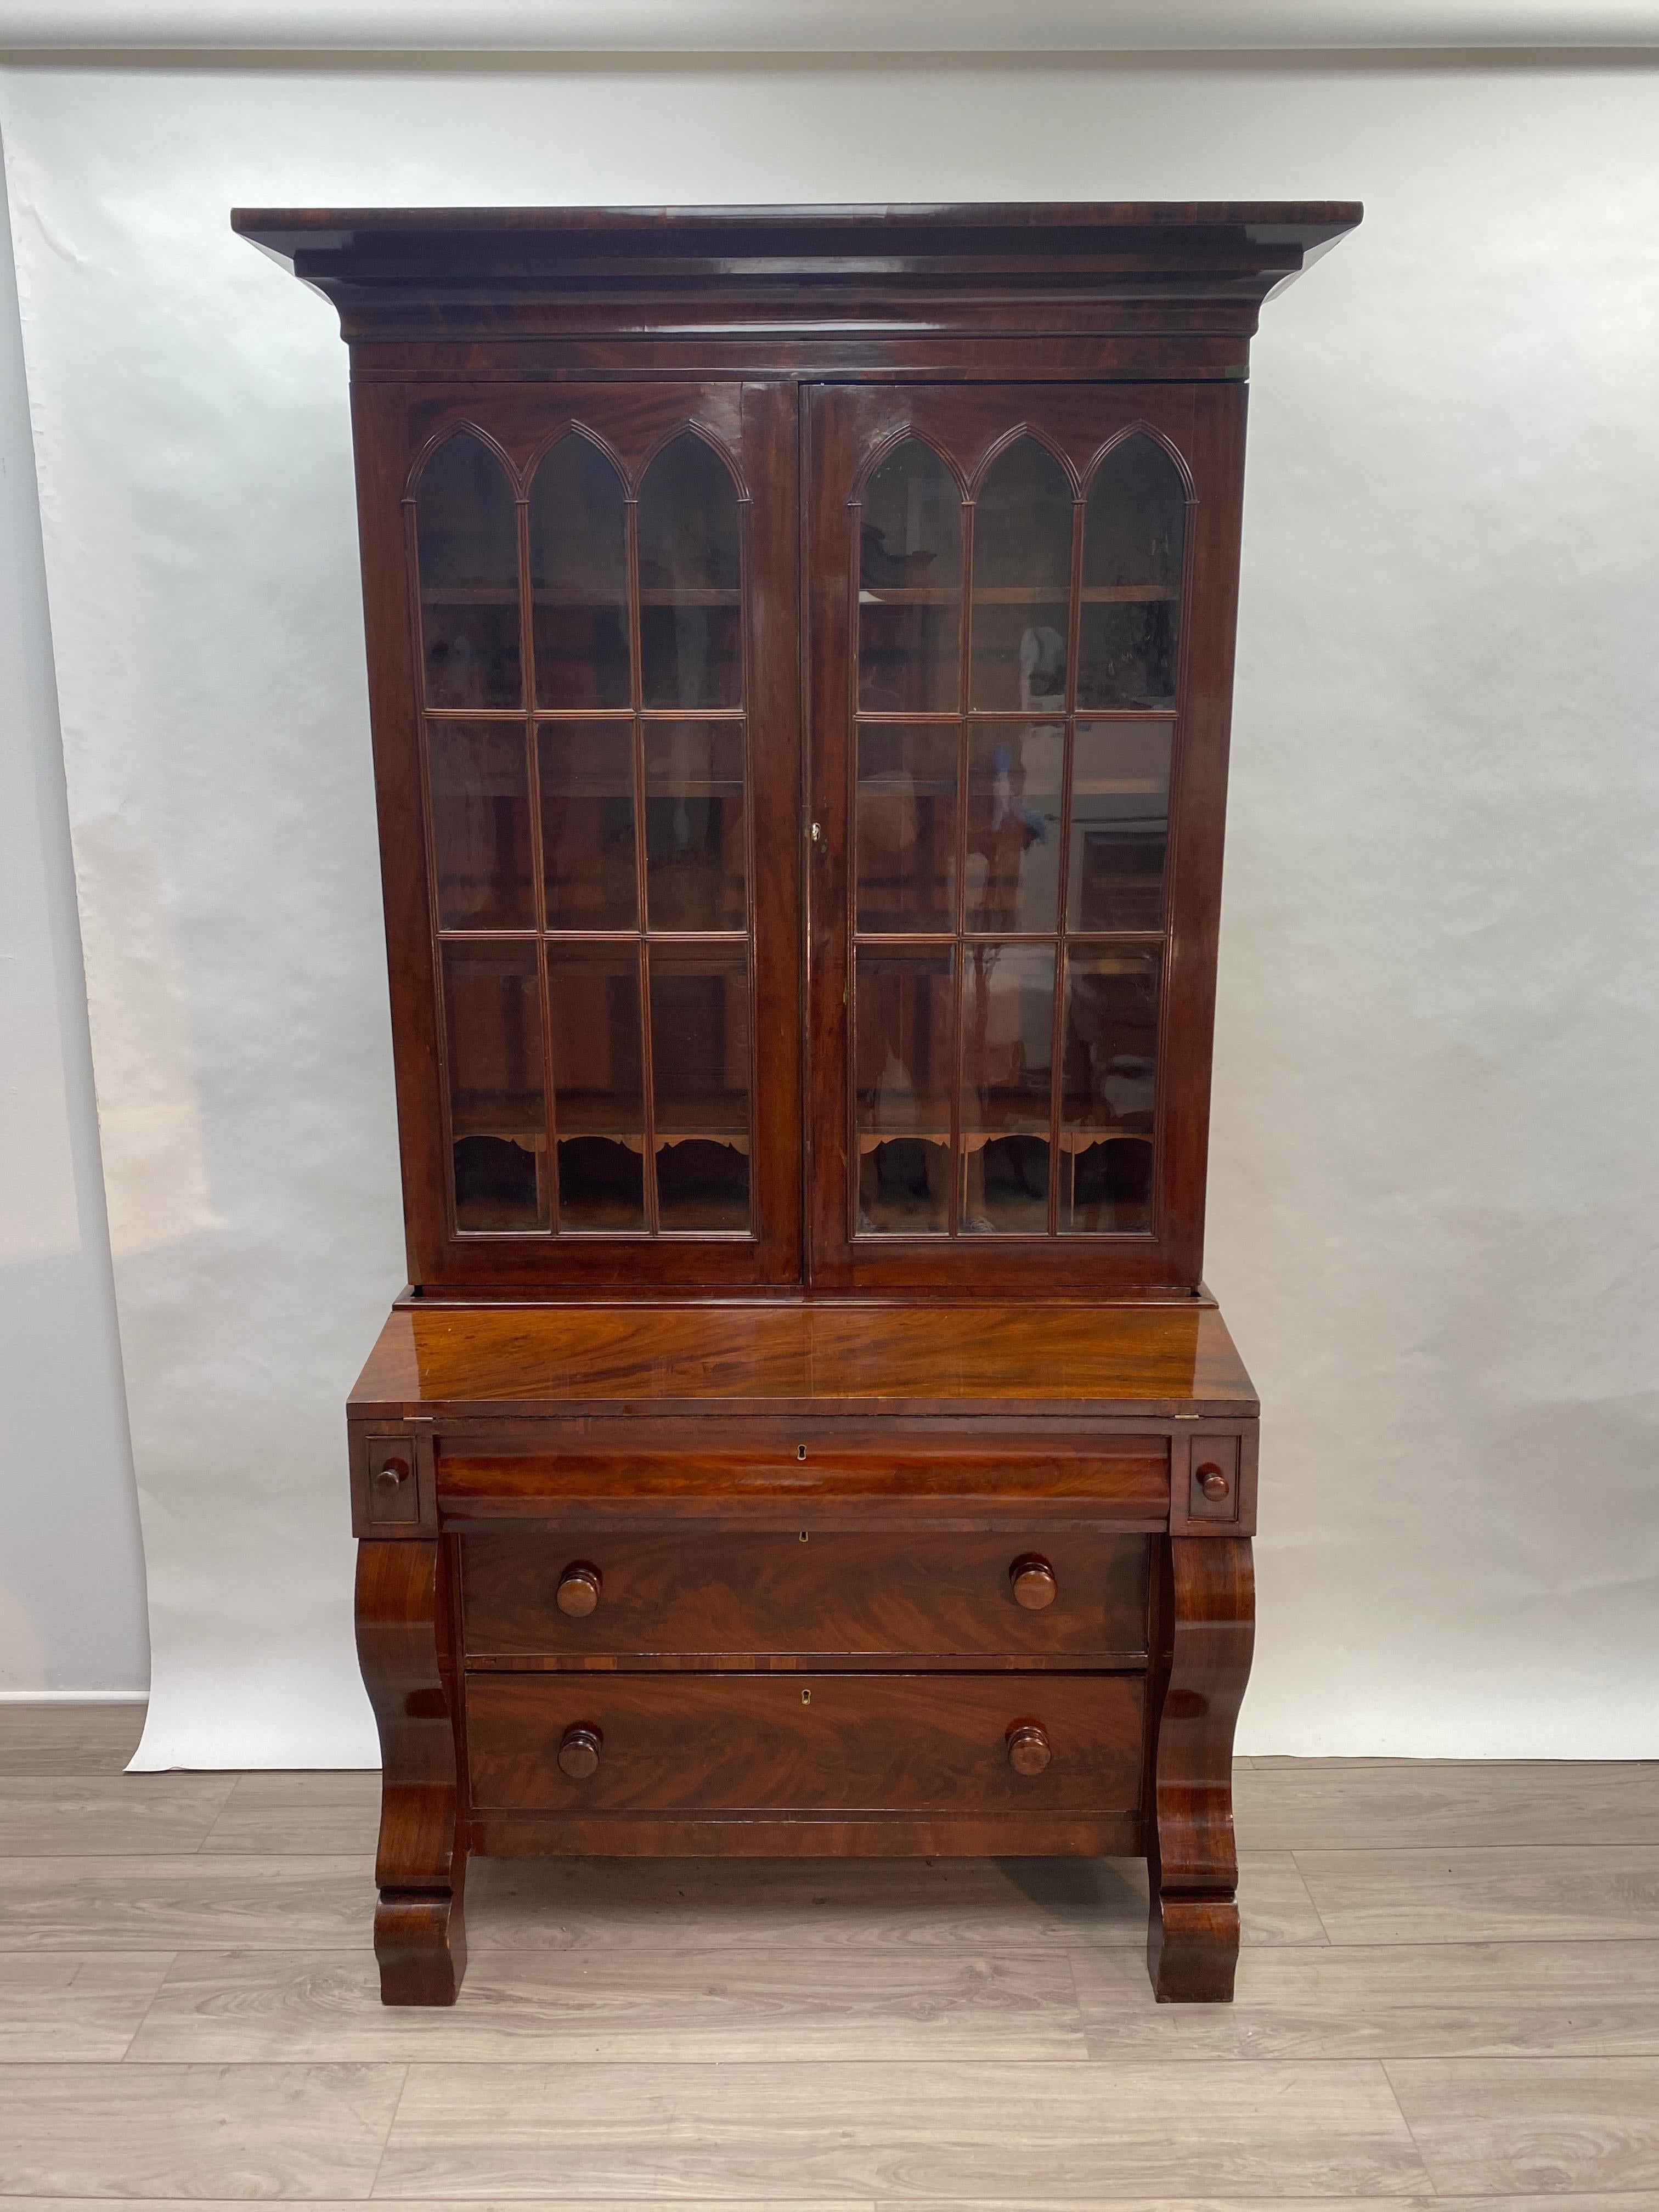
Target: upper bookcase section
[(1195, 272)]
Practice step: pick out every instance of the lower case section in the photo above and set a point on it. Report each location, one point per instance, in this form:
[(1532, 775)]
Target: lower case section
[(796, 1766)]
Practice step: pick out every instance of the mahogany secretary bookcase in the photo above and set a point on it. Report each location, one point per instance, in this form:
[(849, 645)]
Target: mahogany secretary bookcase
[(800, 647)]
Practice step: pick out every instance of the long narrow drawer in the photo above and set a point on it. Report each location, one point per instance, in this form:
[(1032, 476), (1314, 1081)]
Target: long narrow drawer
[(654, 1744), (1066, 1596)]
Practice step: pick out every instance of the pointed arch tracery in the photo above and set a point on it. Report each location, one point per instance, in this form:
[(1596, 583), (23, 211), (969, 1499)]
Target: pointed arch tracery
[(466, 534), (1134, 529)]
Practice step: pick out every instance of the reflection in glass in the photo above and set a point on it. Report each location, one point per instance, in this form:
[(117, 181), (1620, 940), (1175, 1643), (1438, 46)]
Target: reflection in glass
[(1120, 824), (1014, 800), (1133, 532), (1022, 580), (587, 824), (467, 534), (579, 579), (694, 825), (691, 571), (593, 1000), (700, 1070), (907, 828), (481, 825), (909, 585), (901, 1081), (492, 1005), (1007, 1058), (1107, 1086)]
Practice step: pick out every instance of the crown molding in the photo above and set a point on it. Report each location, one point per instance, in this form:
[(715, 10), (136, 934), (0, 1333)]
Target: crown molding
[(823, 27)]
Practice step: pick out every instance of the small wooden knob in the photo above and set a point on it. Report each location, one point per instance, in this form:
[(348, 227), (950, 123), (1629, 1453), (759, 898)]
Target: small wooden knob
[(1033, 1581), (1212, 1482), (579, 1751), (579, 1589), (392, 1474), (1029, 1749)]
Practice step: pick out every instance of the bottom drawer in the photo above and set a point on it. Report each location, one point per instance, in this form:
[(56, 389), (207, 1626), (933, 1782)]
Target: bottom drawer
[(651, 1744)]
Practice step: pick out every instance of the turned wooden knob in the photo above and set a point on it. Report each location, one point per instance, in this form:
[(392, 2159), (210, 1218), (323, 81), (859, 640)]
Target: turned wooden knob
[(579, 1751), (1211, 1481), (392, 1472), (1029, 1749), (579, 1588), (1033, 1582)]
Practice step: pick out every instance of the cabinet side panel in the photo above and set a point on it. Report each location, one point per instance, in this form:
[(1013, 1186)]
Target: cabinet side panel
[(1198, 816), (378, 417)]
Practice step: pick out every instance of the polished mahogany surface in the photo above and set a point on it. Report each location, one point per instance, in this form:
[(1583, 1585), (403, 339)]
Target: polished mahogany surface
[(800, 647), (693, 1601), (804, 1743), (825, 1357)]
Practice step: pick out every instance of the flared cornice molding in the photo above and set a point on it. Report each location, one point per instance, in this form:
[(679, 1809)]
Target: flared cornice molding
[(816, 27)]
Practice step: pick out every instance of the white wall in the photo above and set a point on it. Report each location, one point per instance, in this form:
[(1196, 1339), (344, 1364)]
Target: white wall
[(1435, 1184), (71, 1572)]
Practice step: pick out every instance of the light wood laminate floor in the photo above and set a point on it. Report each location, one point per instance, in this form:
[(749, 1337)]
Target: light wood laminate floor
[(1447, 1998)]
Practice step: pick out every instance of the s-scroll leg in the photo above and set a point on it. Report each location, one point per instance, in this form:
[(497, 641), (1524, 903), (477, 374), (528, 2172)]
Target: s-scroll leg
[(420, 1937), (1209, 1606)]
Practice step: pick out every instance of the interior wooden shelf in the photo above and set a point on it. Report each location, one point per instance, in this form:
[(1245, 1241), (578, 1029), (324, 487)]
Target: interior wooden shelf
[(1013, 595), (501, 595)]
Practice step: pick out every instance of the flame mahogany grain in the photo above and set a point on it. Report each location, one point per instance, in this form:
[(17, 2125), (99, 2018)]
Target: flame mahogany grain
[(829, 1598), (802, 1744)]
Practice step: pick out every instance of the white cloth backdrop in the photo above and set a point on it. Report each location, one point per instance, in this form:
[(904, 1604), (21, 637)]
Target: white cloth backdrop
[(1435, 1188)]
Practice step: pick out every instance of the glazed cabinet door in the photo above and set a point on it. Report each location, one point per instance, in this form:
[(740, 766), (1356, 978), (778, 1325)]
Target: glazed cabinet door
[(1021, 638), (582, 615)]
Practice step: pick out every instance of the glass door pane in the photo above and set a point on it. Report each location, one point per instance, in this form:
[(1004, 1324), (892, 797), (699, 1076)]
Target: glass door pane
[(905, 827), (480, 787), (1007, 1066), (909, 620), (1133, 535), (1120, 824), (700, 1057), (467, 533), (1108, 1089), (1016, 794), (1013, 677), (901, 1086), (497, 1104), (691, 564), (598, 1066), (587, 824), (579, 579), (696, 865), (1023, 581), (590, 856)]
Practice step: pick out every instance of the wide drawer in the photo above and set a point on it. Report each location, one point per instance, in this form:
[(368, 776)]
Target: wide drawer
[(655, 1744), (707, 1596)]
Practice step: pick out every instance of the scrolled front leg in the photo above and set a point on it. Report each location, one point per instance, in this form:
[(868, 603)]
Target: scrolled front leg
[(420, 1937), (1209, 1606)]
